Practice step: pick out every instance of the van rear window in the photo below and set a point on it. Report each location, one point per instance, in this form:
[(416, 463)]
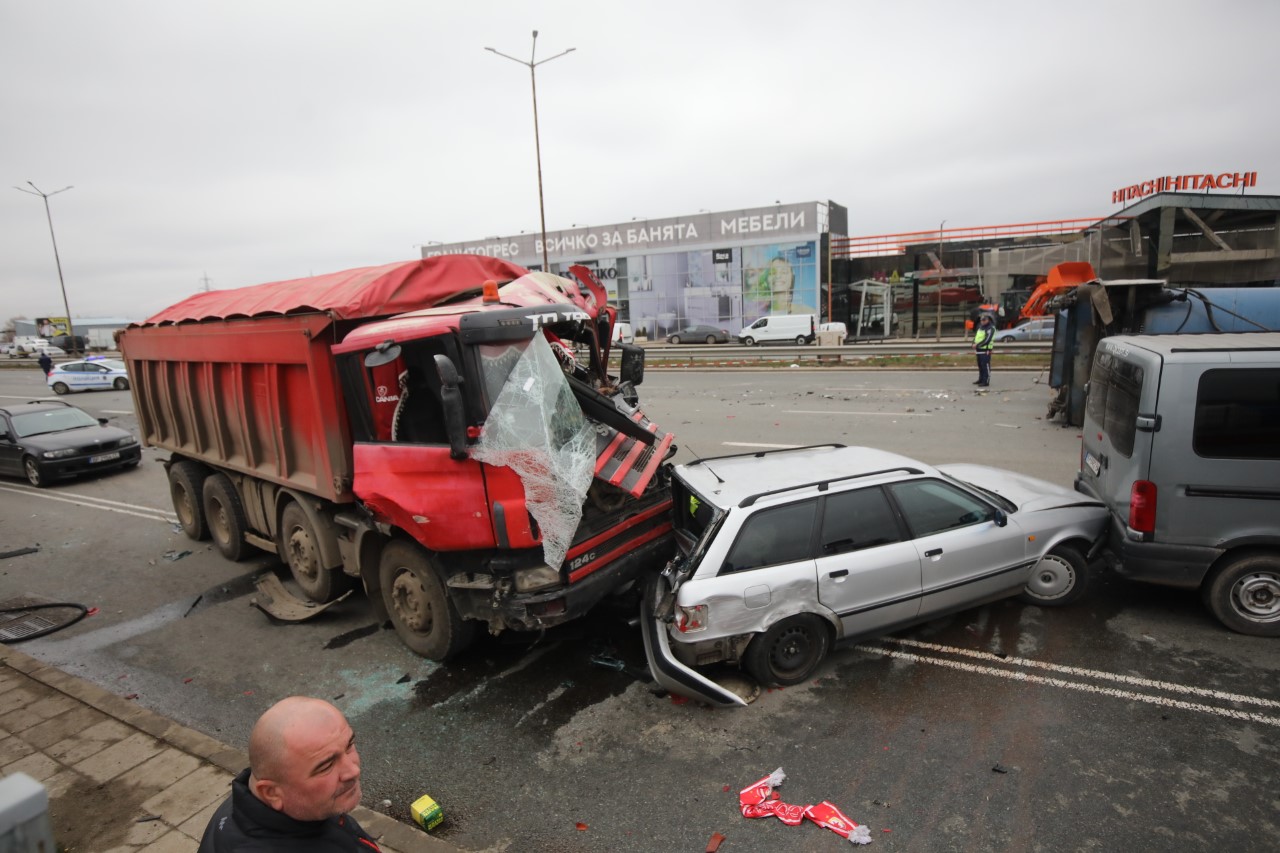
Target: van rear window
[(1238, 414), (1115, 390)]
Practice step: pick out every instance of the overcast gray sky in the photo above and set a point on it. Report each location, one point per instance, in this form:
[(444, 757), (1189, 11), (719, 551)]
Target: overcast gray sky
[(262, 140)]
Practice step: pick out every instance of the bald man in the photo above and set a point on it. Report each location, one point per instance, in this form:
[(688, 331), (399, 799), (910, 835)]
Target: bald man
[(303, 778)]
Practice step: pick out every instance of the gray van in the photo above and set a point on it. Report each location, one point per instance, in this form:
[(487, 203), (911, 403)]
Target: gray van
[(1182, 442)]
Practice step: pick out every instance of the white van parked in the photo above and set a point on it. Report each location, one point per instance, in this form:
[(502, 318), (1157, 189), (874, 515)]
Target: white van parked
[(798, 329)]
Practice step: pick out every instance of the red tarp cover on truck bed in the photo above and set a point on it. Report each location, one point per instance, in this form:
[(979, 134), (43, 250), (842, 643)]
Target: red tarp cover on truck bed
[(366, 292)]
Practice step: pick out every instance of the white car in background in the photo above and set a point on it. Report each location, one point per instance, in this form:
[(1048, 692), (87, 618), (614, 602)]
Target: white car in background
[(91, 374)]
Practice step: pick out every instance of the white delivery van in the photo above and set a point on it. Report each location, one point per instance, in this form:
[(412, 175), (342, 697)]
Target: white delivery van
[(779, 329), (1181, 440)]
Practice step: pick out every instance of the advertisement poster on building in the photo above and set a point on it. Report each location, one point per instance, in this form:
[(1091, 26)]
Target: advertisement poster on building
[(779, 279), (48, 327)]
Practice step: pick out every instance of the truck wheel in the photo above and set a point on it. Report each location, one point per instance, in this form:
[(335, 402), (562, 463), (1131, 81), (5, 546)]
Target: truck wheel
[(418, 603), (226, 517), (789, 652), (749, 341), (302, 553), (60, 388), (186, 488), (1245, 595), (1060, 578)]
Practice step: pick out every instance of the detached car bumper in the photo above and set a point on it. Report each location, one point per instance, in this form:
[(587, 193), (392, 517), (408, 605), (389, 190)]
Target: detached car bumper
[(666, 669)]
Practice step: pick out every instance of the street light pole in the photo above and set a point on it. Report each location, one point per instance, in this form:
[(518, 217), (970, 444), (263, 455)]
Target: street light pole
[(537, 144), (71, 332), (937, 328)]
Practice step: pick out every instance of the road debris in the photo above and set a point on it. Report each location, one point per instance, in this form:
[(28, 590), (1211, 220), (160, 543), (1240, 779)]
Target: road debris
[(175, 556), (199, 598), (999, 768), (18, 553), (713, 844), (761, 800)]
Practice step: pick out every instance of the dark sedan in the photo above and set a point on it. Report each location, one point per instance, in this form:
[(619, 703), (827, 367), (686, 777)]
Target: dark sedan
[(44, 441), (699, 335)]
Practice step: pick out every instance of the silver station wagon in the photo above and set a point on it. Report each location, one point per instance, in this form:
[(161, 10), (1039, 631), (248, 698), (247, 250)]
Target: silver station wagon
[(783, 553)]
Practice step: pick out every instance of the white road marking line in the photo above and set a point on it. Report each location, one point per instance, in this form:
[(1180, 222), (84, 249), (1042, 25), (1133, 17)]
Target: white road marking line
[(1015, 675), (759, 444), (1133, 680), (25, 397), (879, 414), (118, 411), (97, 503), (860, 390)]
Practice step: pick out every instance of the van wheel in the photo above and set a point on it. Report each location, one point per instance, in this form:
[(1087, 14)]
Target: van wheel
[(186, 489), (801, 340), (1060, 578), (302, 553), (789, 652), (1245, 595), (749, 341), (419, 605), (225, 516)]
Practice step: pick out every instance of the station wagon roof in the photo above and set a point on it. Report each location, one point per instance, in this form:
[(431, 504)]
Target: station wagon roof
[(1166, 345), (730, 480)]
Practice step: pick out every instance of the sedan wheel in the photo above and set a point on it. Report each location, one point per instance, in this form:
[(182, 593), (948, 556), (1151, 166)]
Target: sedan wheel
[(60, 388), (711, 339), (789, 652), (674, 339), (121, 384), (32, 469), (1060, 578)]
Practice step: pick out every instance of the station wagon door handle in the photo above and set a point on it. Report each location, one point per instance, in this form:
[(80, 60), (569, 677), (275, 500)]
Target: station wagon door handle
[(839, 573), (933, 552)]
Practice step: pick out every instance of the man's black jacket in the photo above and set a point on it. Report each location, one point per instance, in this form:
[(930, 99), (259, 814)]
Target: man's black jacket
[(245, 824)]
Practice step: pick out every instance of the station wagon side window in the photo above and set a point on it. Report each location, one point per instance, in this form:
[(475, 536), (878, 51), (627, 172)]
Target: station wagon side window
[(774, 536), (852, 521), (931, 506), (1238, 414), (1115, 392)]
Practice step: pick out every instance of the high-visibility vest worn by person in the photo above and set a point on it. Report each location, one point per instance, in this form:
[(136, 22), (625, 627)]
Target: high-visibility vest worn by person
[(985, 339)]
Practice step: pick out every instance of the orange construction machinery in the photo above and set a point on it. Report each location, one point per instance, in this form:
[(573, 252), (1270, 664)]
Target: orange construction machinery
[(1063, 277)]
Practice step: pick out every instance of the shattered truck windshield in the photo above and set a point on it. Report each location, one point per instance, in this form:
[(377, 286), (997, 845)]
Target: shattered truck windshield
[(535, 426)]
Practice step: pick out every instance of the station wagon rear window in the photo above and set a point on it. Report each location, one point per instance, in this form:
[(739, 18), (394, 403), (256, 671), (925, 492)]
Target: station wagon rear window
[(1115, 391), (1238, 414)]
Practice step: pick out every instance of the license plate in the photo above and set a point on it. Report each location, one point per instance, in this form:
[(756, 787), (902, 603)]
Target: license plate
[(1092, 464), (105, 457)]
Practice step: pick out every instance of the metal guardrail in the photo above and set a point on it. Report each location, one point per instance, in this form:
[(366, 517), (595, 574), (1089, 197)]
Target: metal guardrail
[(737, 354)]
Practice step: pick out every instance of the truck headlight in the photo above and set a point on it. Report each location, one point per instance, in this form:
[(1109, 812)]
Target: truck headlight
[(532, 580), (59, 454)]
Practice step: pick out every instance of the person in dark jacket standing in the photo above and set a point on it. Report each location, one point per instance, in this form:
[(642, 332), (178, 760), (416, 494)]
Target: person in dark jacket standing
[(46, 363), (984, 340), (303, 778)]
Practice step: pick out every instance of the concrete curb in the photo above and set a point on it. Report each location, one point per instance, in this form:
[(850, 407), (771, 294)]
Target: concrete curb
[(390, 832)]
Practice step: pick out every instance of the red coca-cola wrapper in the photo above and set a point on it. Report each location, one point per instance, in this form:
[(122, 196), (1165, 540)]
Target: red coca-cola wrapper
[(758, 792), (826, 814)]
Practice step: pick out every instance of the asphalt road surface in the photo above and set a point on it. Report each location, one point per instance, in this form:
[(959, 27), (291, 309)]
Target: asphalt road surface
[(1131, 721)]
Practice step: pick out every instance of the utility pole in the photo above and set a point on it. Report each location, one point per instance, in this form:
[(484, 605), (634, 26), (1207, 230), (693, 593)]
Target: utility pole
[(71, 332), (937, 328), (206, 281), (537, 145)]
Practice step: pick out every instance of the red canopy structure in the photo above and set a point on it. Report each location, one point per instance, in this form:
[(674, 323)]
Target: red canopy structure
[(352, 294)]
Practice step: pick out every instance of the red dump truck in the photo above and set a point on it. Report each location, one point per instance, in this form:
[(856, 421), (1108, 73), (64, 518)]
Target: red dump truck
[(445, 432)]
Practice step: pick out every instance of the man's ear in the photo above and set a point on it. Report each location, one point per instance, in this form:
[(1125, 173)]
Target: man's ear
[(267, 791)]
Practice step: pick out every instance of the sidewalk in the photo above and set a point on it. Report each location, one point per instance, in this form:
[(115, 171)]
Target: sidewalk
[(121, 778)]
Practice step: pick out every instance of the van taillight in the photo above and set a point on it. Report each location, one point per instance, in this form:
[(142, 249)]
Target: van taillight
[(1142, 506)]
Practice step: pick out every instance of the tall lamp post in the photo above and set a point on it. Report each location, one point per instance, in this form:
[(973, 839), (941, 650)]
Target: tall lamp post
[(537, 145), (71, 332)]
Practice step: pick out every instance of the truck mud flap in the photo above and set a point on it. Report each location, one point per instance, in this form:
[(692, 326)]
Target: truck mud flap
[(669, 672), (277, 602)]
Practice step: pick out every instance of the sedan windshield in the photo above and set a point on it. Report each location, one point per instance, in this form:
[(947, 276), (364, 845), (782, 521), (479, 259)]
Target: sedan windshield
[(54, 420)]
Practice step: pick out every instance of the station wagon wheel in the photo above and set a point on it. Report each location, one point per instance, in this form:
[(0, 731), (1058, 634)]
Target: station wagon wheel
[(302, 553), (1060, 578), (789, 652), (225, 516), (186, 489), (32, 469), (419, 605), (1245, 595), (121, 384)]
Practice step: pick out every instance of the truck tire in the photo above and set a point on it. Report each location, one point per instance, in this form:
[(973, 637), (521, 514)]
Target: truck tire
[(1060, 578), (225, 516), (1245, 594), (419, 604), (186, 489), (789, 652), (301, 548)]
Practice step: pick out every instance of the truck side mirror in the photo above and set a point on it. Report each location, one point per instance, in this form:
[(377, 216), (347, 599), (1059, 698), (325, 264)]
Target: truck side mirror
[(632, 369), (455, 417)]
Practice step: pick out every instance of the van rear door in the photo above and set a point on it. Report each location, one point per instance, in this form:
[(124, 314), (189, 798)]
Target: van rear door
[(1119, 425)]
